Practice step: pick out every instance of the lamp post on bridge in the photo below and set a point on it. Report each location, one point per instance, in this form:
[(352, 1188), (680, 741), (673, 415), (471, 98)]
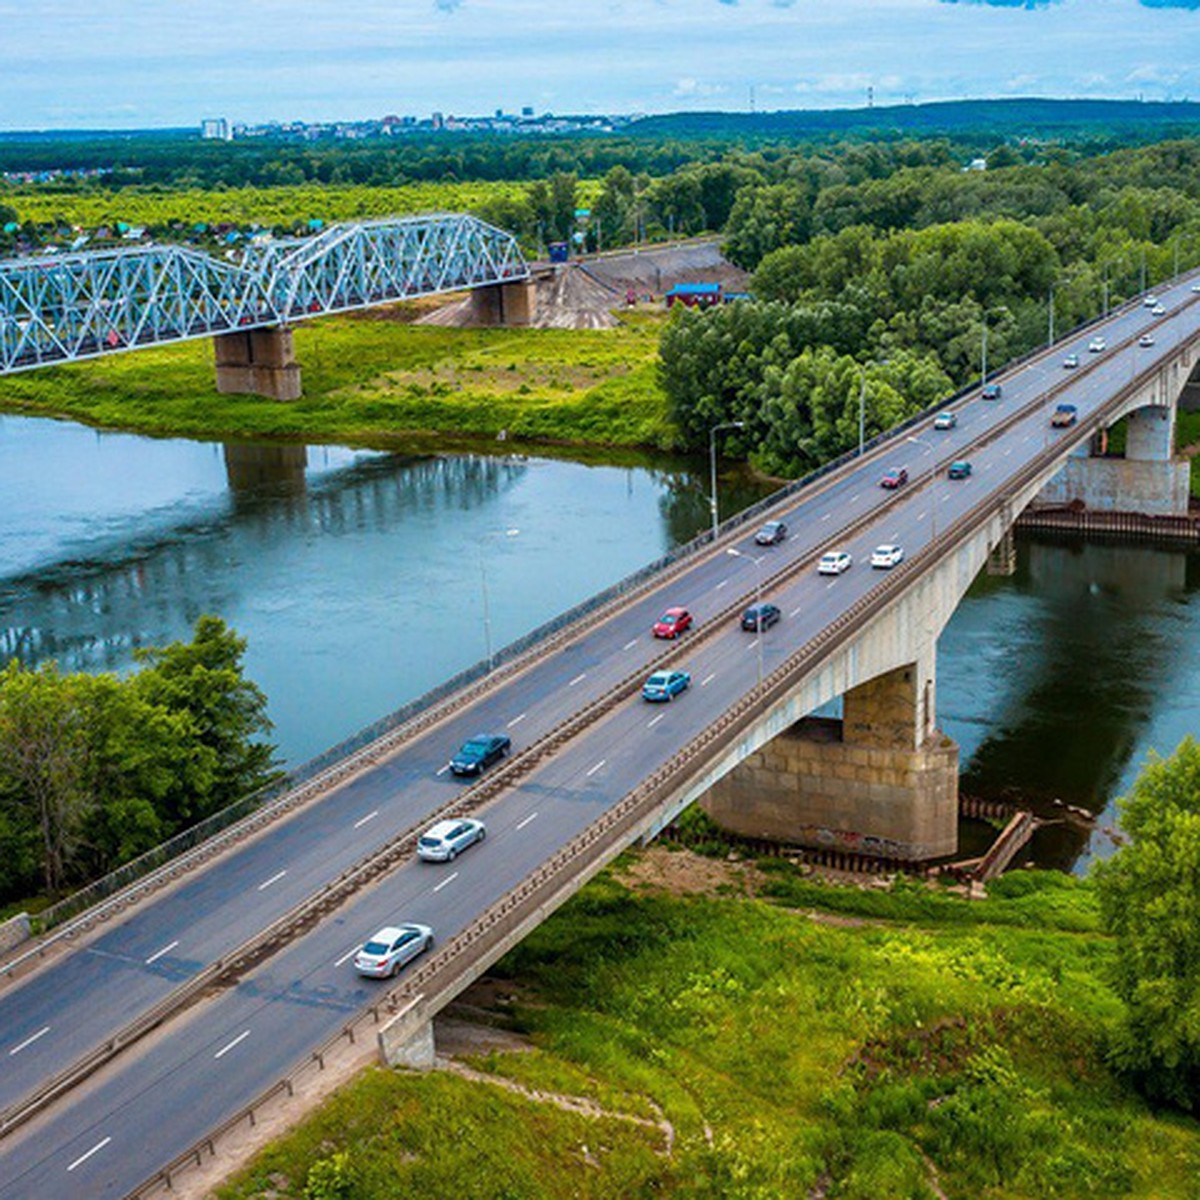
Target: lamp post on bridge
[(712, 468), (758, 602), (920, 441), (483, 587)]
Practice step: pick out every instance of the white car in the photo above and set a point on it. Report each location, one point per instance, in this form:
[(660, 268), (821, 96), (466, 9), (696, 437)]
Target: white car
[(1158, 311), (1196, 287), (1096, 345), (834, 563), (1146, 340), (1071, 361), (1150, 301), (391, 948), (887, 556), (445, 840)]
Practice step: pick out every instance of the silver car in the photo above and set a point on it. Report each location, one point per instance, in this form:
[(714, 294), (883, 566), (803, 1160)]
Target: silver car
[(445, 840), (391, 948)]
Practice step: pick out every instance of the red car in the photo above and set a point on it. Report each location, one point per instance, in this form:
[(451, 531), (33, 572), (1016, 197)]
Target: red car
[(894, 478), (672, 623)]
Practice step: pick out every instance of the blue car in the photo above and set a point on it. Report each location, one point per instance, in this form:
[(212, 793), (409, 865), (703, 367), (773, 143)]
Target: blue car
[(665, 685)]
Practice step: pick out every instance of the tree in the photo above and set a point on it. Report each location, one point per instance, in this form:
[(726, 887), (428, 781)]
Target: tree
[(1150, 901)]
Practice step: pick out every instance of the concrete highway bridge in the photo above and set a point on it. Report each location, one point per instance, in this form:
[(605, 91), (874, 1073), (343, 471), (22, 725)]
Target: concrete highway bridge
[(203, 995), (65, 307)]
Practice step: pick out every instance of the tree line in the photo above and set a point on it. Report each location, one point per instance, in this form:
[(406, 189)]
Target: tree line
[(97, 769)]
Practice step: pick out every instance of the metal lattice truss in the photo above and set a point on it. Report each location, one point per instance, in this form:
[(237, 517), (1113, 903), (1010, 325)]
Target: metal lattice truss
[(58, 309)]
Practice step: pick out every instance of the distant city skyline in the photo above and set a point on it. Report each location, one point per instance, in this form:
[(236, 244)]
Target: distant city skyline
[(142, 64)]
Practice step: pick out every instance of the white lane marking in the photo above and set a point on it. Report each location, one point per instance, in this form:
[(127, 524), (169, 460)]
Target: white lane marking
[(444, 769), (159, 953), (262, 887), (629, 645), (84, 1157), (827, 516), (651, 724), (516, 720), (831, 583), (241, 1037), (592, 770), (449, 879), (45, 1029), (721, 584), (855, 497), (794, 613), (921, 516), (751, 645), (532, 817), (347, 956), (707, 680), (363, 820), (578, 679), (1008, 452)]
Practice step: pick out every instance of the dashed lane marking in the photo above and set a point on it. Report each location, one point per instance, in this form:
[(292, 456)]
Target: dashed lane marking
[(262, 887), (592, 770), (159, 953), (445, 882), (532, 817), (651, 724), (707, 680), (84, 1157), (363, 820), (45, 1029), (241, 1037), (578, 679), (516, 720), (347, 956)]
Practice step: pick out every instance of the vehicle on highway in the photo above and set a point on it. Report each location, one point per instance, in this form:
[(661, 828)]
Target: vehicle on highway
[(1158, 311), (945, 420), (1146, 340), (1196, 287), (392, 947), (665, 685), (959, 469), (760, 616), (1097, 344), (771, 533), (672, 623), (991, 391), (1063, 416), (478, 753), (1071, 361), (446, 840), (894, 478), (834, 563), (1151, 301), (887, 555)]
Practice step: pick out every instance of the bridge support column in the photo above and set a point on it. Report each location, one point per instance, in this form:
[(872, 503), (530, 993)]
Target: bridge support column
[(882, 781), (260, 362), (407, 1039), (505, 303)]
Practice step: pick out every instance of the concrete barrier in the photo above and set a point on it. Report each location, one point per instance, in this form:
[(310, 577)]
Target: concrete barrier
[(14, 931)]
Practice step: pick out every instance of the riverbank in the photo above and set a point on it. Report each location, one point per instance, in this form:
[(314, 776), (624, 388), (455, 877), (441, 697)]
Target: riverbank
[(385, 384), (688, 1027)]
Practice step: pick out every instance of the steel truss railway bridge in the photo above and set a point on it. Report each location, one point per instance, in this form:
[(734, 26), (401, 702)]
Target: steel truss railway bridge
[(63, 308), (236, 955)]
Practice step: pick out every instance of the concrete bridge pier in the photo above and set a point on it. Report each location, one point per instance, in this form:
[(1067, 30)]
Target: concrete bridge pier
[(505, 303), (259, 362), (407, 1039), (882, 781)]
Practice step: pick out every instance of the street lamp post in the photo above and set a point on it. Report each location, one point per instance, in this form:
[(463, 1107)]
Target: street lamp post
[(758, 602), (983, 353), (483, 587), (862, 409), (932, 484), (712, 468)]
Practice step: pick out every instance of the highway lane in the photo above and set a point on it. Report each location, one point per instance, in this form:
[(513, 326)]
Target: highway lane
[(543, 693)]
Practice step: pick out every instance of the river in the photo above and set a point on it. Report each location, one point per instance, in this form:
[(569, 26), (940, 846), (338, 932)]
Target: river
[(357, 579)]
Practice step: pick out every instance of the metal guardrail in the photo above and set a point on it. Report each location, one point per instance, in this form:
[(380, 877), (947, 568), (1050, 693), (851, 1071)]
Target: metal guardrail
[(448, 969)]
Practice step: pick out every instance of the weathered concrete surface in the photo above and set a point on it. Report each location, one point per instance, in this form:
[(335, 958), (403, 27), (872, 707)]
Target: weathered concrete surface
[(407, 1039), (505, 304), (259, 362), (14, 931), (1122, 485)]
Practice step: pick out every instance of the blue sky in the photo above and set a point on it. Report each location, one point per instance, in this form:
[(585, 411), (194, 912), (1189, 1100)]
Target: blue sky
[(147, 63)]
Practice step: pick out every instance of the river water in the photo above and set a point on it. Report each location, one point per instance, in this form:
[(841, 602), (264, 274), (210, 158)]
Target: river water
[(357, 579)]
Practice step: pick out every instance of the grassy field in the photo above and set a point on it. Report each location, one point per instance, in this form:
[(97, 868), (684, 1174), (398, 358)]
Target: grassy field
[(864, 1045), (381, 382)]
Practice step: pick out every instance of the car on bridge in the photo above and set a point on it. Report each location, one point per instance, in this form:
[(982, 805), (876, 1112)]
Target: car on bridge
[(888, 555), (834, 563), (672, 623), (1097, 344), (1158, 311), (1146, 340), (1151, 301), (991, 391), (771, 534), (894, 478), (665, 685), (446, 840), (945, 420), (759, 617), (1071, 361), (478, 753), (393, 946), (1064, 416), (959, 469)]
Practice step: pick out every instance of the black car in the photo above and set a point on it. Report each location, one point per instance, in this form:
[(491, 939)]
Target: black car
[(771, 533), (760, 616), (478, 753)]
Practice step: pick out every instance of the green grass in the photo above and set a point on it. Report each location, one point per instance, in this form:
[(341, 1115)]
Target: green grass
[(380, 382), (786, 1052), (1187, 434)]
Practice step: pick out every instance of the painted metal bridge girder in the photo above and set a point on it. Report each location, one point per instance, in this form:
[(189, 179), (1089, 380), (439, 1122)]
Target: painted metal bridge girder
[(56, 309)]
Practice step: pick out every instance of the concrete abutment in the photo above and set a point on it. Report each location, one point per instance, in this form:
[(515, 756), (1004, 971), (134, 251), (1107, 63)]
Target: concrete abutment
[(259, 362), (513, 304)]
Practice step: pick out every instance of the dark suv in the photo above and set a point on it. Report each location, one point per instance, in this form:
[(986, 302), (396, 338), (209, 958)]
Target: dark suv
[(479, 752)]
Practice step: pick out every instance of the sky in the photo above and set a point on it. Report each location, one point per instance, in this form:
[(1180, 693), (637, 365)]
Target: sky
[(126, 64)]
